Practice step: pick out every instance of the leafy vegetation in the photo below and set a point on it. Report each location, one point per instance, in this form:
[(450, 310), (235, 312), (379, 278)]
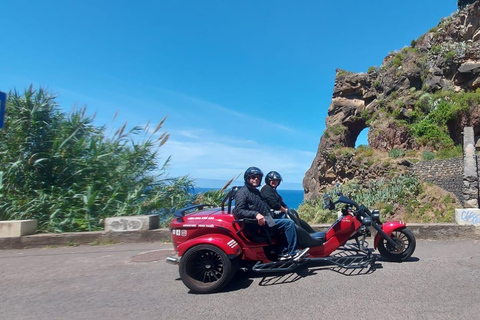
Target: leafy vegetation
[(428, 155), (65, 172), (404, 193), (334, 130), (396, 153), (434, 112)]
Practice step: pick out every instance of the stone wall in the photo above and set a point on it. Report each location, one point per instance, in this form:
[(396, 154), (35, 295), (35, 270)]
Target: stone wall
[(447, 174)]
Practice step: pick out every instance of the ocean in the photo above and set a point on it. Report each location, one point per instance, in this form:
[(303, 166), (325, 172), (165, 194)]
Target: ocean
[(293, 198)]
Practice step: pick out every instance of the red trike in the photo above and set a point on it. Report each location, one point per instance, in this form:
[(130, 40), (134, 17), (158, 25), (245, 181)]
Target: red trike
[(211, 244)]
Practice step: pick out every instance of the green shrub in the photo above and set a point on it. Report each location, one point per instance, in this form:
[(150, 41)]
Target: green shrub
[(364, 150), (400, 189), (313, 212), (450, 56), (398, 60), (428, 155), (457, 151), (433, 112), (396, 153)]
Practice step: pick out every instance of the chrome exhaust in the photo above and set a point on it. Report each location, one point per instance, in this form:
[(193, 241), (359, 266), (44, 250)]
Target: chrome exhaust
[(173, 260)]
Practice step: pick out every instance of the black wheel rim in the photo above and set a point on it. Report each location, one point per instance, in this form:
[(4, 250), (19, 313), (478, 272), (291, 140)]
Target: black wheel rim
[(206, 267), (402, 242)]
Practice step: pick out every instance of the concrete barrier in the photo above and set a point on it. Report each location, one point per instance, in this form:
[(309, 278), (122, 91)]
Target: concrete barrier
[(468, 216), (17, 228), (132, 223)]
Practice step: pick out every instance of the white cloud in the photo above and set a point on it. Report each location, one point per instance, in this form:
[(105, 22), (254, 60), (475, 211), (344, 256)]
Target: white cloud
[(203, 104), (226, 158)]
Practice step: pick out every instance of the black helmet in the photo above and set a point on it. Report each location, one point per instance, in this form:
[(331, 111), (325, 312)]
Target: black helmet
[(273, 175), (252, 171)]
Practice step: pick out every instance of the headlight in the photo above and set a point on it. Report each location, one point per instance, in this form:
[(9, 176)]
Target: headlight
[(376, 215), (367, 221)]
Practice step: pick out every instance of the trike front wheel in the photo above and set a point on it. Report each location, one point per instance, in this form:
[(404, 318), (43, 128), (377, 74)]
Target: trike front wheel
[(405, 245)]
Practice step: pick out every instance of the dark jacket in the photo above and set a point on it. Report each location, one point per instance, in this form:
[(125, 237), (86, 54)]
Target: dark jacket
[(248, 203), (272, 198)]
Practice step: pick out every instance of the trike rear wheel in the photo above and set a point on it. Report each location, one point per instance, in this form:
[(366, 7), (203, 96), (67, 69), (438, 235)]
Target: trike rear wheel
[(405, 245), (206, 268)]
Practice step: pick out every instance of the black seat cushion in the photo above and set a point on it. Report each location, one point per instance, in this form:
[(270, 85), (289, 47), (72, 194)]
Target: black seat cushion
[(305, 239)]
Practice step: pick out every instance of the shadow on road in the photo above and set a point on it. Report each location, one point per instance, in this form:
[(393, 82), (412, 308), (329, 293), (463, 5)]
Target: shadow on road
[(243, 279)]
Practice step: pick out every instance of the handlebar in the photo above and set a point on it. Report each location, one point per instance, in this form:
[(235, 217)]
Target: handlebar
[(360, 210), (330, 204)]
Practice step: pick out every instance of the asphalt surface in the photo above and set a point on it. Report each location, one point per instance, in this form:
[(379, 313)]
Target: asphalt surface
[(132, 281)]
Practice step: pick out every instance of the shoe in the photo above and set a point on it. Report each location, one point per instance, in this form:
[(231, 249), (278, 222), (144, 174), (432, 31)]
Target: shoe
[(284, 257), (299, 254)]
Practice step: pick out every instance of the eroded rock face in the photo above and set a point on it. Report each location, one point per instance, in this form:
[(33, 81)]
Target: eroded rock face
[(446, 58), (463, 3)]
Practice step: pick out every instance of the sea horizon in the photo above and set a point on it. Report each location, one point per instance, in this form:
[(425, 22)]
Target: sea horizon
[(219, 183), (292, 198)]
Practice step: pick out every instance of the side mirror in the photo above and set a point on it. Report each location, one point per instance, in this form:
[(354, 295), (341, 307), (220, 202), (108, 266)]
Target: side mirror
[(338, 188), (327, 200)]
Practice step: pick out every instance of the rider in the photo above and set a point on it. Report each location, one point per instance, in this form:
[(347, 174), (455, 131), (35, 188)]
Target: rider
[(249, 204), (270, 195)]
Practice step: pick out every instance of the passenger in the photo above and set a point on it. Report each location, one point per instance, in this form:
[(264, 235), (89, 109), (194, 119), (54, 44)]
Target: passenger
[(270, 195), (249, 204), (273, 199)]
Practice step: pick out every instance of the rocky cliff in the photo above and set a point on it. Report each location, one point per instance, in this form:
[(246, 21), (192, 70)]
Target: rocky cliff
[(420, 98)]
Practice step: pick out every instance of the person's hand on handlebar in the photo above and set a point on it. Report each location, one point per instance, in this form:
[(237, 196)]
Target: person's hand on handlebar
[(261, 219)]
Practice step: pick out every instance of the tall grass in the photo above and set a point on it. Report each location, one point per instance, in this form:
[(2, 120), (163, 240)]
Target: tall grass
[(65, 172)]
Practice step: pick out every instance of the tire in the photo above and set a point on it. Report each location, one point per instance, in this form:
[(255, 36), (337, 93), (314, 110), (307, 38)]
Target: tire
[(206, 268), (406, 240)]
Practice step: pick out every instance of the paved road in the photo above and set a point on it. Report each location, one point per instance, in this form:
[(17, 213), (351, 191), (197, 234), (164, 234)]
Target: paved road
[(132, 281)]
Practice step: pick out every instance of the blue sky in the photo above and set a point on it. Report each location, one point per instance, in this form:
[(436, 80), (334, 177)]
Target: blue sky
[(243, 83)]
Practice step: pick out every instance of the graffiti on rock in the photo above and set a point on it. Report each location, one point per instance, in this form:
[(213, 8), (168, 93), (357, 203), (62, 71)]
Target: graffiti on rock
[(126, 225)]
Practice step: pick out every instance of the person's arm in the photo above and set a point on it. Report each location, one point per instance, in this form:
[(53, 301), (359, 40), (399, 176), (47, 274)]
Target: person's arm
[(241, 209), (270, 197)]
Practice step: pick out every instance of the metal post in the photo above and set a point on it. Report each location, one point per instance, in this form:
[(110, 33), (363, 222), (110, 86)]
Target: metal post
[(3, 100)]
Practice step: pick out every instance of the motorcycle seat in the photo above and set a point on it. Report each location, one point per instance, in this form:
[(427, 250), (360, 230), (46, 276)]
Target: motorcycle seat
[(306, 239), (318, 235)]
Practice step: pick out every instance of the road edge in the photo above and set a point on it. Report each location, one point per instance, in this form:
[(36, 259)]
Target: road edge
[(434, 231)]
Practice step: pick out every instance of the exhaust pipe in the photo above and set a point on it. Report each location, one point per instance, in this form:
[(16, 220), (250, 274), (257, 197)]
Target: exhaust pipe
[(173, 260)]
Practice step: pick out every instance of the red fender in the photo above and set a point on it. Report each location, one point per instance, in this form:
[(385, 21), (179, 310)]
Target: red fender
[(226, 243), (388, 228)]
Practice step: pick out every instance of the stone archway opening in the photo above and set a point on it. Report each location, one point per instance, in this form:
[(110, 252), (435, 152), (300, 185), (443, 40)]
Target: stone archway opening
[(362, 138), (354, 128)]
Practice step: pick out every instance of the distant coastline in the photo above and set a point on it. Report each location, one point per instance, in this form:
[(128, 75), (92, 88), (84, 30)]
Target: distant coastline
[(293, 198)]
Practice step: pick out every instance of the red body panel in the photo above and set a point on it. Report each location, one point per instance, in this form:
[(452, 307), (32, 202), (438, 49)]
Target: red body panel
[(217, 227), (388, 228), (226, 243), (197, 228), (336, 236)]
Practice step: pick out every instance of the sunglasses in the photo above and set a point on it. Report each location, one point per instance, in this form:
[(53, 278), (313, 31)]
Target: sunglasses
[(255, 177)]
